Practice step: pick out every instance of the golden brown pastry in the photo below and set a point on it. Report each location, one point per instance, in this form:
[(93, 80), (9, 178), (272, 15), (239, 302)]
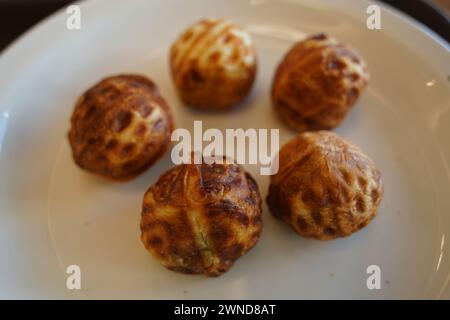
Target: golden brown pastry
[(120, 127), (213, 64), (317, 83), (201, 218), (326, 187)]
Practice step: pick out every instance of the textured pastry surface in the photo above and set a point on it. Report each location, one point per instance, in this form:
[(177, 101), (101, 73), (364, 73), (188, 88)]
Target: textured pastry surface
[(213, 64), (317, 82), (326, 187), (198, 219), (120, 127)]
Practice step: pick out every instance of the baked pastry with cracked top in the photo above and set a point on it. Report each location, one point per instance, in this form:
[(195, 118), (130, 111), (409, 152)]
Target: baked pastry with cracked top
[(120, 127), (317, 83), (213, 64), (200, 218), (326, 187)]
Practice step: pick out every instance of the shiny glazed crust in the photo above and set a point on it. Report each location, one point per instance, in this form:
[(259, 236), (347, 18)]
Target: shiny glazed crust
[(199, 219), (317, 82), (213, 64), (326, 187), (120, 127)]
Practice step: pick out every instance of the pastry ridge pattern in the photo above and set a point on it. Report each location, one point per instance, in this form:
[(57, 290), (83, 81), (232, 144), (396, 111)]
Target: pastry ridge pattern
[(120, 127), (317, 83), (326, 187), (213, 64), (201, 218)]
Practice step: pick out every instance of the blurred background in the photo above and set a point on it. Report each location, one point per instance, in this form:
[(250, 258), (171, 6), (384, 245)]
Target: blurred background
[(16, 16)]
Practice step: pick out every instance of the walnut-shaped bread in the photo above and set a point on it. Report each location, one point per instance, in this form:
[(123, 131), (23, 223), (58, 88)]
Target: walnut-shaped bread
[(120, 127), (317, 83), (213, 64), (326, 187), (200, 218)]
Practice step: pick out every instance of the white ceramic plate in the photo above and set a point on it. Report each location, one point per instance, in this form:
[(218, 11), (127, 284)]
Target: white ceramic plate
[(53, 215)]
